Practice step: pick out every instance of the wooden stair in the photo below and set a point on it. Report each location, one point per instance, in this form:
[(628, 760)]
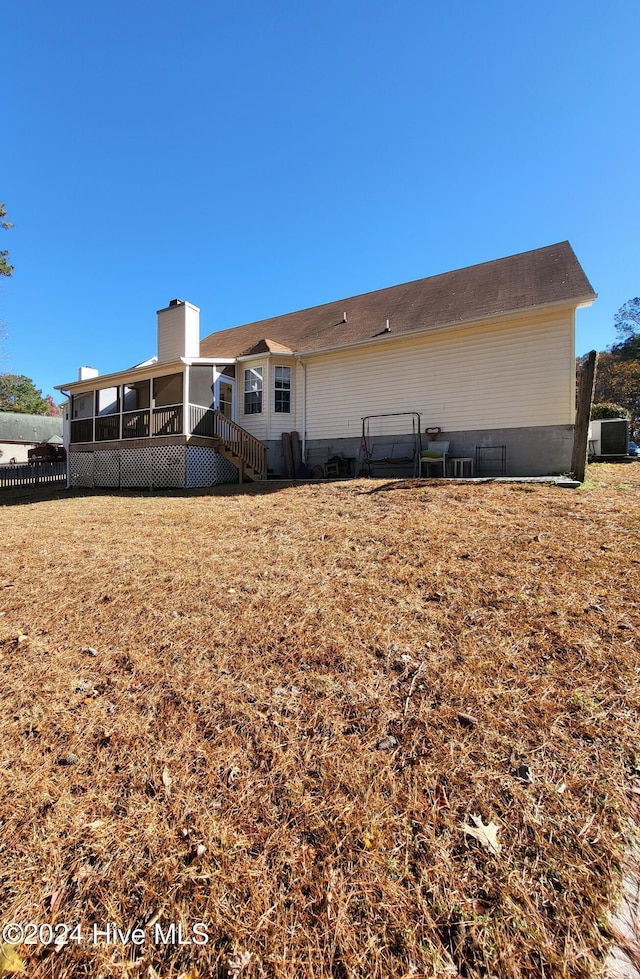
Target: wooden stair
[(247, 453)]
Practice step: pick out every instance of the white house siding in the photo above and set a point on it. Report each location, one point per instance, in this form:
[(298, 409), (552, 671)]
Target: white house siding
[(270, 425), (16, 451), (516, 374), (280, 422), (178, 332), (256, 425)]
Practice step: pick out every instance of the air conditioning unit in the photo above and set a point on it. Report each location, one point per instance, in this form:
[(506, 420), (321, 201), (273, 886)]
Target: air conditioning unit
[(609, 438)]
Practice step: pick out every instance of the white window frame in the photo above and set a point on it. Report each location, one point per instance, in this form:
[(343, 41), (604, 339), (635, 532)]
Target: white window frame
[(254, 385), (285, 388)]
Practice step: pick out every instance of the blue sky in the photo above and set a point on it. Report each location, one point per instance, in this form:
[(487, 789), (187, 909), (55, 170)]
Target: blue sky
[(255, 158)]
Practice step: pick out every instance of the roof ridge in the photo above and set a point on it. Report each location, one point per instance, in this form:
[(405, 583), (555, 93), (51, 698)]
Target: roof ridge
[(399, 285), (511, 284)]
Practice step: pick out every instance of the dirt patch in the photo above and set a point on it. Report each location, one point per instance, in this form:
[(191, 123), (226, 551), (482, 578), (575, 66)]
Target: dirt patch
[(269, 714)]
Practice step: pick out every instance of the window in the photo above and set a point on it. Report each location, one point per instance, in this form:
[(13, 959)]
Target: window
[(167, 390), (283, 389), (107, 424), (136, 396), (82, 405), (107, 401), (253, 391)]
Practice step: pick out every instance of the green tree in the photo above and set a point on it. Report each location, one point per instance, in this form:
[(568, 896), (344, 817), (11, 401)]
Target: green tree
[(608, 409), (19, 393), (5, 268), (618, 382), (618, 373)]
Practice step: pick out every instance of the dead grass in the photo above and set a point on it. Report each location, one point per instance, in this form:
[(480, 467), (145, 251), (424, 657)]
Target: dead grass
[(254, 648)]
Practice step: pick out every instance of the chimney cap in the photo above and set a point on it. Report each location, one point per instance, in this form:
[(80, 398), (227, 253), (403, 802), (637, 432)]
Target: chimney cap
[(176, 302)]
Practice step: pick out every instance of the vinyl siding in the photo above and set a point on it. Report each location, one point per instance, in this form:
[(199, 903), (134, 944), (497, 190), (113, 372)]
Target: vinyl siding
[(501, 375), (257, 425), (271, 424), (280, 422)]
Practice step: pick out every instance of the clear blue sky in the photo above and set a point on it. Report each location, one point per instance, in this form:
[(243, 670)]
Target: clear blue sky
[(255, 158)]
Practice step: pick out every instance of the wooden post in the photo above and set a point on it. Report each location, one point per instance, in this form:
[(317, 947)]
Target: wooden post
[(296, 451), (586, 389), (287, 455)]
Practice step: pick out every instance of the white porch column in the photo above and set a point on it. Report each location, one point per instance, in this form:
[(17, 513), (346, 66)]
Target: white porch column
[(185, 398)]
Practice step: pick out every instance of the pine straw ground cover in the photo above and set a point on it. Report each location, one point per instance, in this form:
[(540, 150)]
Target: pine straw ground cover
[(265, 714)]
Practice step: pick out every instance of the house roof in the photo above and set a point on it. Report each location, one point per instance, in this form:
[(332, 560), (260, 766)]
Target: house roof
[(20, 427), (266, 346), (545, 276)]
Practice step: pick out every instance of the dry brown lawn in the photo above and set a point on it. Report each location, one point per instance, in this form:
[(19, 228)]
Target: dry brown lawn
[(265, 714)]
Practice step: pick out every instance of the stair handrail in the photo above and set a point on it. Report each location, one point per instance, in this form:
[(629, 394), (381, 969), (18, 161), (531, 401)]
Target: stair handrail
[(247, 447)]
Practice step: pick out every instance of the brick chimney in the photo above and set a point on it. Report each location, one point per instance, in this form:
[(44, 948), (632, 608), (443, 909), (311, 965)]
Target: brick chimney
[(178, 331)]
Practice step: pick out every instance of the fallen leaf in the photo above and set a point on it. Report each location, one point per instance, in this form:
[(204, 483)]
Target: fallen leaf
[(385, 744), (167, 781), (237, 964), (10, 961), (191, 974), (523, 773), (487, 834), (56, 897), (233, 775), (467, 720), (442, 796)]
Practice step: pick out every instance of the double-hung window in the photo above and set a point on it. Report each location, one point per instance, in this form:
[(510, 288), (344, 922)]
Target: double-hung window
[(283, 389), (253, 391)]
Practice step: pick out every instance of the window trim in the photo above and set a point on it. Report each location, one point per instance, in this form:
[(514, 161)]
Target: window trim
[(281, 388), (254, 408)]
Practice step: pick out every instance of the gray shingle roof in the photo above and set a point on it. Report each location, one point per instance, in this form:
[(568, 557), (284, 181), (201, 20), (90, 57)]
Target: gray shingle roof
[(507, 285), (19, 427)]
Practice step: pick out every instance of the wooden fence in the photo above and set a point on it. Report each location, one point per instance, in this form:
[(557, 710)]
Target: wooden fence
[(35, 474)]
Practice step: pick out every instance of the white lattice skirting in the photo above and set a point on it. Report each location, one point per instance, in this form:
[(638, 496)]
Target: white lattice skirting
[(161, 467)]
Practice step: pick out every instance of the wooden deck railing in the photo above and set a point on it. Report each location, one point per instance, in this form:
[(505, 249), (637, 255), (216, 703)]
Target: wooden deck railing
[(201, 421), (135, 424), (212, 423), (82, 430), (168, 421), (107, 427), (206, 422)]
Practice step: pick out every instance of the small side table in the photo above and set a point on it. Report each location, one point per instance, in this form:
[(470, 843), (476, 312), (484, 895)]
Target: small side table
[(457, 466), (491, 460)]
